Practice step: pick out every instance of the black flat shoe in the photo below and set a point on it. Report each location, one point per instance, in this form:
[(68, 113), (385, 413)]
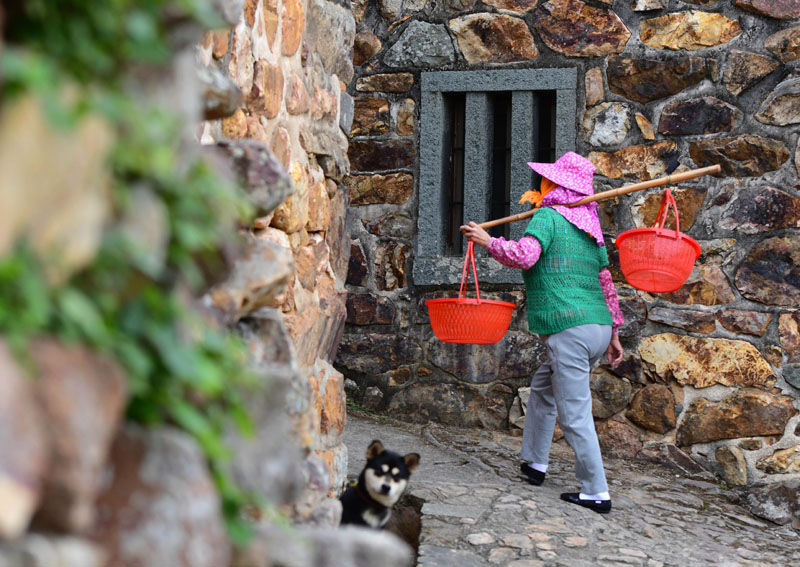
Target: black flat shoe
[(599, 506), (533, 476)]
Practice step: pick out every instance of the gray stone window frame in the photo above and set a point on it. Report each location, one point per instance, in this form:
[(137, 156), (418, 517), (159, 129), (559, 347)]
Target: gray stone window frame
[(431, 266)]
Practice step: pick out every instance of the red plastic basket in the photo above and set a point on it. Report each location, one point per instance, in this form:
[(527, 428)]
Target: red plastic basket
[(657, 259), (469, 321)]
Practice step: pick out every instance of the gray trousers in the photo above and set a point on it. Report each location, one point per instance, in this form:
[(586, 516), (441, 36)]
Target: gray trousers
[(561, 385)]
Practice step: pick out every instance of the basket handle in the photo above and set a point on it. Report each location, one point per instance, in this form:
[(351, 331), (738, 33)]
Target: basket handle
[(663, 211), (469, 259)]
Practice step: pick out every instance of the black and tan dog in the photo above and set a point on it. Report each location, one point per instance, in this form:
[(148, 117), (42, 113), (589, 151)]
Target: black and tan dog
[(380, 485)]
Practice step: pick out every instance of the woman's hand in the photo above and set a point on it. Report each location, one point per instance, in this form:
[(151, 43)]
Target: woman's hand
[(475, 234), (614, 351)]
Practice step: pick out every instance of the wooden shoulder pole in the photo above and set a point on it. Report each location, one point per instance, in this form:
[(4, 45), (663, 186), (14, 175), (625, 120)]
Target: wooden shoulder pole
[(666, 180)]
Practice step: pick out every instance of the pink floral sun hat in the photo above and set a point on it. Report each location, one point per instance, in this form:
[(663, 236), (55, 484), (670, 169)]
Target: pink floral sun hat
[(571, 171)]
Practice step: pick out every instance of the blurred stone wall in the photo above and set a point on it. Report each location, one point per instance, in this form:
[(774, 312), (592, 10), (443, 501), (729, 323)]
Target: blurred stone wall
[(263, 100), (274, 85), (713, 369)]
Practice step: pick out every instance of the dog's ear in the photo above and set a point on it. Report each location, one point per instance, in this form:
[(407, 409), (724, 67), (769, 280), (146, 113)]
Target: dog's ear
[(375, 448), (412, 461)]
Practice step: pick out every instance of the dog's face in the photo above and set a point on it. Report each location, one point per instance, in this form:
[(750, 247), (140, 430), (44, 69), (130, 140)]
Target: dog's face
[(387, 473)]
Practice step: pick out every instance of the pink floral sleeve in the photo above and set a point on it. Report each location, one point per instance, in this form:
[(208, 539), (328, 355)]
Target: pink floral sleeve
[(523, 254), (612, 301)]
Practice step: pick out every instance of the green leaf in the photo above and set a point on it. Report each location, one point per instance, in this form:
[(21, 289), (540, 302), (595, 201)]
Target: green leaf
[(77, 309)]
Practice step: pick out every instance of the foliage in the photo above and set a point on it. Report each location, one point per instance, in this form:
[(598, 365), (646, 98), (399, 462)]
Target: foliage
[(181, 370)]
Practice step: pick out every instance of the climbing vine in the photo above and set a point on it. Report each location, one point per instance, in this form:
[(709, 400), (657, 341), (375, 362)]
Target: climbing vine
[(181, 370)]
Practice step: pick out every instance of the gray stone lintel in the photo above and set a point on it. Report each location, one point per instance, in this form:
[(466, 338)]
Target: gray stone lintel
[(500, 80)]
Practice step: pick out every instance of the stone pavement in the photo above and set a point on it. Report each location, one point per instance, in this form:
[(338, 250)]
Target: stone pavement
[(478, 512)]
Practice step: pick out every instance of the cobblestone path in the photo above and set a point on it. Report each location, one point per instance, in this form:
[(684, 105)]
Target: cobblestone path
[(478, 512)]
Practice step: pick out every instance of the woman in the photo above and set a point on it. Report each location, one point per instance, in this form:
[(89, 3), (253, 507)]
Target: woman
[(573, 306)]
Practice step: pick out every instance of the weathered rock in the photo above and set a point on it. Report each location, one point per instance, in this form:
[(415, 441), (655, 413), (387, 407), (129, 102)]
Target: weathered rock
[(635, 311), (337, 236), (421, 44), (324, 547), (258, 277), (391, 262), (703, 362), (776, 502), (376, 353), (606, 124), (646, 80), (789, 333), (293, 23), (310, 261), (746, 322), (761, 209), (744, 69), (54, 186), (370, 117), (516, 6), (365, 45), (670, 455), (298, 100), (695, 321), (575, 29), (645, 126), (391, 189), (770, 272), (330, 31), (777, 9), (618, 439), (688, 30), (610, 394), (319, 213), (707, 115), (39, 550), (218, 41), (270, 12), (328, 147), (359, 7), (780, 107), (785, 44), (450, 404), (785, 461), (392, 10), (258, 172), (381, 155), (706, 285), (221, 96), (240, 66), (493, 38), (234, 127), (160, 507), (373, 398), (266, 93), (593, 84), (743, 414), (82, 397), (370, 309), (323, 105), (647, 5), (644, 210), (357, 270), (24, 448), (516, 355), (459, 5), (653, 408), (640, 162), (405, 117), (385, 83), (397, 224), (292, 215), (747, 155), (733, 465)]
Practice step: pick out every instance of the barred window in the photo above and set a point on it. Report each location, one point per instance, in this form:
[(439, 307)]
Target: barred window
[(478, 131)]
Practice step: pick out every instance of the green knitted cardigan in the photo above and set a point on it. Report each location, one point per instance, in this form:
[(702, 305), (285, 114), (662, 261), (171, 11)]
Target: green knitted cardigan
[(562, 286)]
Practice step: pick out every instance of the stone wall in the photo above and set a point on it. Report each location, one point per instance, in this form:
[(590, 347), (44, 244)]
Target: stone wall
[(711, 368), (284, 62)]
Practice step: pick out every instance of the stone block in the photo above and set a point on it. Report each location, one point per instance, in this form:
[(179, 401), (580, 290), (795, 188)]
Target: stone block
[(293, 23), (618, 439), (689, 200), (385, 83), (610, 394), (357, 267), (370, 309), (266, 94), (298, 100), (319, 208), (777, 502), (160, 492), (780, 107), (639, 162), (365, 45), (784, 461), (376, 353), (653, 408), (405, 118), (593, 85), (370, 117), (733, 464), (421, 44), (690, 30), (646, 80), (743, 69), (747, 155), (706, 285), (606, 124), (769, 273), (776, 9), (575, 29), (699, 116), (746, 322), (330, 32), (493, 38), (381, 155), (391, 264), (82, 397), (451, 404), (390, 189)]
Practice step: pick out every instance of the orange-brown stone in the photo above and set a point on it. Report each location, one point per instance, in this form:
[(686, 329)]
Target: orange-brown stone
[(267, 92), (689, 201), (235, 126), (386, 83), (297, 98), (270, 8), (640, 162), (688, 30), (785, 44), (593, 82), (707, 285), (319, 214), (393, 189), (493, 38), (370, 117), (282, 146), (405, 118), (292, 25), (789, 332), (334, 409)]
